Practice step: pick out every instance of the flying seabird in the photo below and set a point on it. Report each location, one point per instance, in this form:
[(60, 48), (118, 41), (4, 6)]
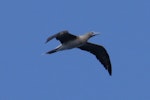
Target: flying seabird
[(69, 41)]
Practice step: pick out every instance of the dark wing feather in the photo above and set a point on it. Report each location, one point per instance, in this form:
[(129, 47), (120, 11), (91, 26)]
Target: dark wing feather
[(51, 37), (100, 53), (63, 36)]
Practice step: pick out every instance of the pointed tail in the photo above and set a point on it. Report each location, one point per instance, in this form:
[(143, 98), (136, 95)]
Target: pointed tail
[(52, 51)]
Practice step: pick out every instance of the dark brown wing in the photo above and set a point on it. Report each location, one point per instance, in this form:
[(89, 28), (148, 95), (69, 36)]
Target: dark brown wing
[(63, 36), (100, 53)]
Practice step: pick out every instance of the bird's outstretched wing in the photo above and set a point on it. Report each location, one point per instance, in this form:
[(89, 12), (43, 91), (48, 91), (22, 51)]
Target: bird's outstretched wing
[(100, 53), (63, 36)]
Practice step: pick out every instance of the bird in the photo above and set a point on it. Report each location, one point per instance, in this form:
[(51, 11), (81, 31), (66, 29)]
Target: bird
[(70, 41)]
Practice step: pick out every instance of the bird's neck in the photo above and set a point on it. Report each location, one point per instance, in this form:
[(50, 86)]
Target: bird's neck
[(84, 37)]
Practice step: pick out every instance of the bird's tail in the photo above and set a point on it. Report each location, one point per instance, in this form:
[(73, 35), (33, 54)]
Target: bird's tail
[(52, 51), (58, 48)]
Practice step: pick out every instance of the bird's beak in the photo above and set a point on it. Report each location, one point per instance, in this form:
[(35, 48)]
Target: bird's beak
[(96, 33)]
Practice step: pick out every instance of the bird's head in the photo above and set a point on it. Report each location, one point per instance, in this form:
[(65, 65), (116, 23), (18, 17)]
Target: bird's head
[(91, 34)]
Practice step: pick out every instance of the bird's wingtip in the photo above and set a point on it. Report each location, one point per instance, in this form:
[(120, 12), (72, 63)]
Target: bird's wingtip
[(110, 71)]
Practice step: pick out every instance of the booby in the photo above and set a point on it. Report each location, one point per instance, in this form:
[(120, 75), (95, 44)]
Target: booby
[(70, 41)]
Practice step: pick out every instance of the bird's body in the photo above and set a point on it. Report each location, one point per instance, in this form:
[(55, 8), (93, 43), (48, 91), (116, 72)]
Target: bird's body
[(69, 41)]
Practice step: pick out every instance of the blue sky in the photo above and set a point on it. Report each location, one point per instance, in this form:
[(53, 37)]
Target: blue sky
[(25, 74)]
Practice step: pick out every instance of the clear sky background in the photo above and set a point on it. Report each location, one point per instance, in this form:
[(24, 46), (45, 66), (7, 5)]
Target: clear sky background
[(26, 74)]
